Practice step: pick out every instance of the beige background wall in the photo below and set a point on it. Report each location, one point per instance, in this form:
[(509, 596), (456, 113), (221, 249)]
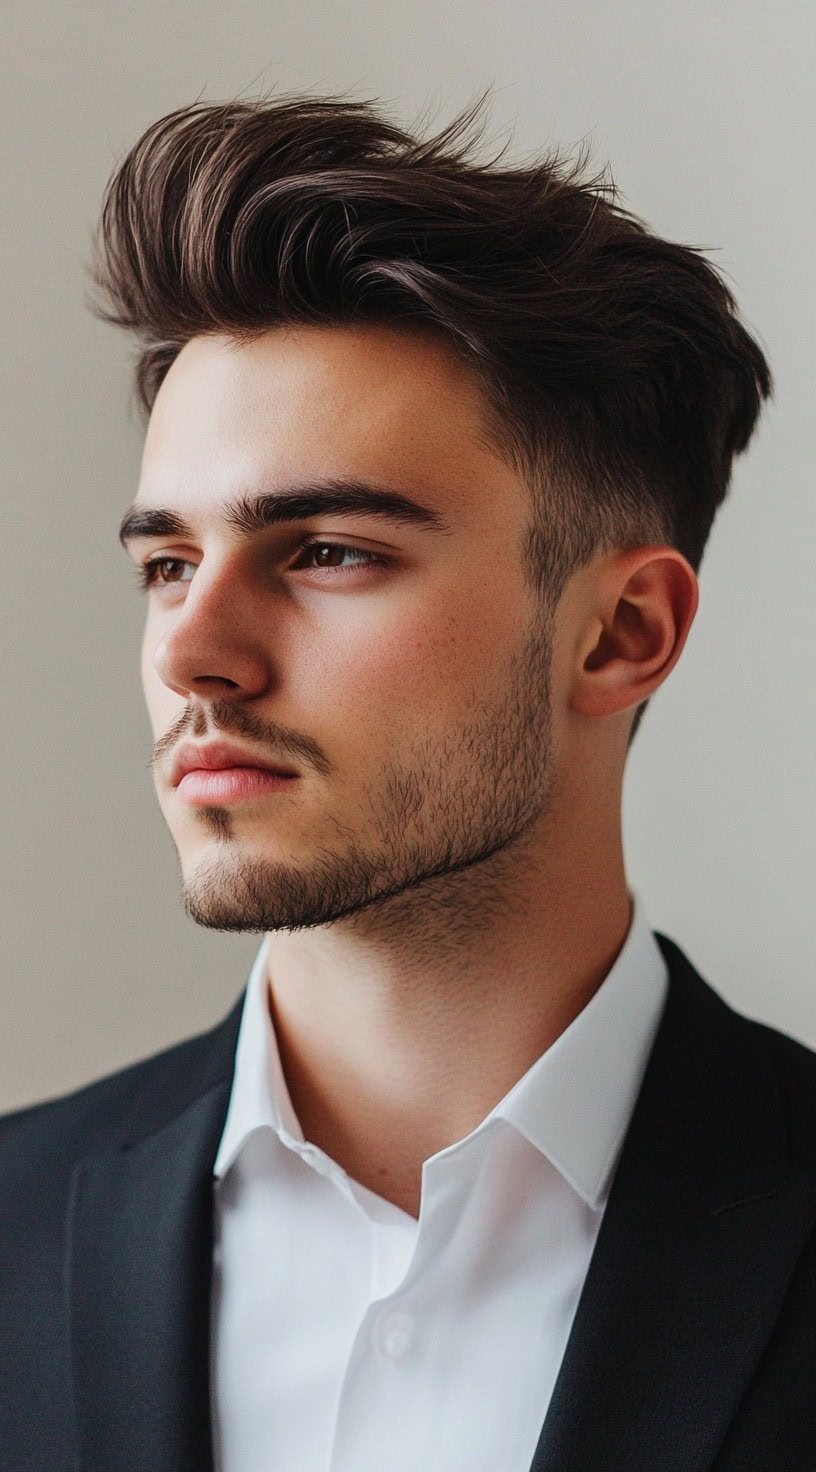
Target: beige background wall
[(705, 111)]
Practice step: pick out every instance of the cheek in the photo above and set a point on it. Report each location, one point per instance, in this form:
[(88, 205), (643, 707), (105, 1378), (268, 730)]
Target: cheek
[(413, 671)]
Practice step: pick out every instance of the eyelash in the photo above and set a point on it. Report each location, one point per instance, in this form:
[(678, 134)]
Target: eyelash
[(148, 577)]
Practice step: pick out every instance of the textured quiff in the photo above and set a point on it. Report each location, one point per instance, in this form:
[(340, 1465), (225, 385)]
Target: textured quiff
[(618, 377)]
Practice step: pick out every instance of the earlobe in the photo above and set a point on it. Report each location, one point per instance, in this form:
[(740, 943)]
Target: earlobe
[(645, 606)]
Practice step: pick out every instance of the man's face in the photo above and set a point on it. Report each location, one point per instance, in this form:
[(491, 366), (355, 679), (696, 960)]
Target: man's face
[(410, 696)]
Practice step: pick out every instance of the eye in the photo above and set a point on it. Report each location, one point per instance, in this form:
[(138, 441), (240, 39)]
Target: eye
[(365, 558), (160, 572), (320, 556)]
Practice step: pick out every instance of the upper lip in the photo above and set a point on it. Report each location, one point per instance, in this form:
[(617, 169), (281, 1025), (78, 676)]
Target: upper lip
[(215, 755)]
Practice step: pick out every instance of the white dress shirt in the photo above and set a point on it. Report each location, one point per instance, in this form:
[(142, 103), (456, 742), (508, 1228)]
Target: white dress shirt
[(350, 1337)]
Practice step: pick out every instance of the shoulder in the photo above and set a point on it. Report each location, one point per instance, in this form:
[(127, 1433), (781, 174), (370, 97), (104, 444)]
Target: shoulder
[(794, 1066), (45, 1140), (750, 1058)]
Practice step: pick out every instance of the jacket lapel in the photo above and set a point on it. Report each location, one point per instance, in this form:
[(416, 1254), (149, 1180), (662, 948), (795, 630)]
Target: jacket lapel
[(704, 1224), (139, 1271)]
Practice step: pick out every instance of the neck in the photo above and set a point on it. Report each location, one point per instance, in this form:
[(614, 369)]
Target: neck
[(400, 1028)]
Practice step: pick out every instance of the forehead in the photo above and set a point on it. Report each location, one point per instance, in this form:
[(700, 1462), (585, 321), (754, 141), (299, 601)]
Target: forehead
[(305, 404)]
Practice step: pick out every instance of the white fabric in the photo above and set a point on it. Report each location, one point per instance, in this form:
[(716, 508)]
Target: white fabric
[(347, 1336)]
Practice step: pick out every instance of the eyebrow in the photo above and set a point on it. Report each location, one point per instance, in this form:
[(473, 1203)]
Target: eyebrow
[(249, 514)]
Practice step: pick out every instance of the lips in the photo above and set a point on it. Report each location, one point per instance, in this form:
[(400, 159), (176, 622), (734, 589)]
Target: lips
[(219, 756)]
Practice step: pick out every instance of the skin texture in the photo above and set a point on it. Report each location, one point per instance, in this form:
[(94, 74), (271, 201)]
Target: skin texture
[(443, 885)]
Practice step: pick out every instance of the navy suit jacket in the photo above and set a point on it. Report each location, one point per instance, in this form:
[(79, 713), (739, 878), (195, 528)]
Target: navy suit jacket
[(694, 1342)]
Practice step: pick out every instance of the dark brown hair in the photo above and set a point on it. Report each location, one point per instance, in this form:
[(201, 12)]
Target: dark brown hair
[(619, 377)]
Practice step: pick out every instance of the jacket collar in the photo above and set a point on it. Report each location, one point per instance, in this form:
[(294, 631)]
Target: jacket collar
[(706, 1219)]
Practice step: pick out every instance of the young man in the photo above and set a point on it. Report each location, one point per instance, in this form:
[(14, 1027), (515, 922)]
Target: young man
[(479, 1173)]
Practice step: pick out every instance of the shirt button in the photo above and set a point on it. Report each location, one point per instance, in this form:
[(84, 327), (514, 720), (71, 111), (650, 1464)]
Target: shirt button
[(394, 1333)]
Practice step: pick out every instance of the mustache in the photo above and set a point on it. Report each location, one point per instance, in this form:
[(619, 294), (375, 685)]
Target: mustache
[(221, 718)]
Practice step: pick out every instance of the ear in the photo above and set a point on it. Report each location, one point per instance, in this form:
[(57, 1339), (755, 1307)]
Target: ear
[(641, 607)]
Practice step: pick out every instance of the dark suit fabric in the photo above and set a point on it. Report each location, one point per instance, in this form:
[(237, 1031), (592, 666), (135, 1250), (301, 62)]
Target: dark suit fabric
[(694, 1343)]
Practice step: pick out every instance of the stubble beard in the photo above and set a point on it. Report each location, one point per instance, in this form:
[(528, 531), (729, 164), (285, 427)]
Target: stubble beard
[(458, 801)]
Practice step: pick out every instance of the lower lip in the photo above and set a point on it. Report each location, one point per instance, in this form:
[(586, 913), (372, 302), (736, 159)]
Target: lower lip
[(229, 784)]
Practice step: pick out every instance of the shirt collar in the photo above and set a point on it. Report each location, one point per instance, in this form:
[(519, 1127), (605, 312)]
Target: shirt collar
[(574, 1104), (259, 1096)]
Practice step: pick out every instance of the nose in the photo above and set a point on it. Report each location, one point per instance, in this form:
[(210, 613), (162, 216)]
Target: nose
[(213, 647)]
